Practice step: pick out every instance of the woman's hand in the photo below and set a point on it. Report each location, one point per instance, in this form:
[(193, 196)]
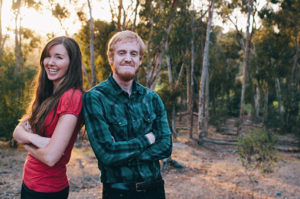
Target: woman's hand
[(24, 135)]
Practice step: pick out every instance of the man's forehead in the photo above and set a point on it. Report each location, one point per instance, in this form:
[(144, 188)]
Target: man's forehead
[(127, 45)]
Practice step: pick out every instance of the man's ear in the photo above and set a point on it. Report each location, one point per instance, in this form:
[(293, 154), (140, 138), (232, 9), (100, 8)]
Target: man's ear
[(140, 60)]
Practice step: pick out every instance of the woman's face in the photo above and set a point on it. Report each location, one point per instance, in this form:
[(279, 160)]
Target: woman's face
[(56, 64)]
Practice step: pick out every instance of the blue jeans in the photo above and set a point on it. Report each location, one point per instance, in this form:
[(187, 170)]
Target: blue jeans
[(27, 193)]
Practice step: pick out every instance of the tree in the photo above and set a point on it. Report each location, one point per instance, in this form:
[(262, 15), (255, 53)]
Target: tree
[(162, 16), (102, 33), (204, 74), (60, 13), (12, 104), (2, 37), (246, 57), (92, 45)]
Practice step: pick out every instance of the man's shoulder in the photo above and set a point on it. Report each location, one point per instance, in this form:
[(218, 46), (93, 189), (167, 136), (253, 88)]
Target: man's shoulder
[(146, 91), (99, 88), (99, 91)]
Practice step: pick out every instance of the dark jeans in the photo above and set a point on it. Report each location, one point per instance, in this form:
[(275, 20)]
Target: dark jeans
[(157, 192), (27, 193)]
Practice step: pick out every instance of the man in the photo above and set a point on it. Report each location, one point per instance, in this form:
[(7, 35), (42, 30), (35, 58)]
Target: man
[(127, 126)]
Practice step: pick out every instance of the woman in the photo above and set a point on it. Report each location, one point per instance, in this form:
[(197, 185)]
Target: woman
[(49, 128)]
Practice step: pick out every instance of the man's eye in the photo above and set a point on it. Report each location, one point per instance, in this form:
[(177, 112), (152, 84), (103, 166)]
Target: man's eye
[(121, 53), (134, 53)]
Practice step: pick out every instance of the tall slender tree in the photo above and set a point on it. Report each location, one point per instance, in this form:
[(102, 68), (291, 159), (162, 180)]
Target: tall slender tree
[(246, 57), (92, 51), (204, 74)]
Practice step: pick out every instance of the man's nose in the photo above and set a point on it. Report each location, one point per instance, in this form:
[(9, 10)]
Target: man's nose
[(128, 57)]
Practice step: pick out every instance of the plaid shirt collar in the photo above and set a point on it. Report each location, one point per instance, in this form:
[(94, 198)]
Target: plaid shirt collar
[(117, 90)]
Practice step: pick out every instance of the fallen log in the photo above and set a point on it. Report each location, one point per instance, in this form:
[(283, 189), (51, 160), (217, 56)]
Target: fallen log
[(219, 141)]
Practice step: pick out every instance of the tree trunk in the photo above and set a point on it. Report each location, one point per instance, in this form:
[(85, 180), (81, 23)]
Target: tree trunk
[(257, 101), (148, 75), (266, 102), (156, 63), (278, 92), (206, 117), (190, 75), (86, 75), (119, 14), (2, 39), (18, 50), (135, 14), (173, 115), (124, 20), (169, 65), (247, 48), (204, 70), (92, 51)]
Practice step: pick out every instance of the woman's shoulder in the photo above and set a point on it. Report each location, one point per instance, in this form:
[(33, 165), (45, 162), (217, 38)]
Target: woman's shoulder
[(77, 93)]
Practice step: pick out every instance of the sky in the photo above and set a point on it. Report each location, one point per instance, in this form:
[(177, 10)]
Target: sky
[(43, 22)]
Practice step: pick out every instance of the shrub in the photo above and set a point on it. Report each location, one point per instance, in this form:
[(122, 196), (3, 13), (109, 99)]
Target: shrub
[(256, 149)]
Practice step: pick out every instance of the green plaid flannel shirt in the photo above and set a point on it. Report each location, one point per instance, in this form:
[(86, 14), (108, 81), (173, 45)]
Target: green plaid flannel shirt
[(116, 124)]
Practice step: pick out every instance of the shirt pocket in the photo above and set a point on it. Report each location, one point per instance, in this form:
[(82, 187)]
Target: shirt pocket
[(148, 122), (118, 129)]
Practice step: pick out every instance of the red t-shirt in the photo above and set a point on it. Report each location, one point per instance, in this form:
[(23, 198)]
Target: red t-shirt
[(40, 177)]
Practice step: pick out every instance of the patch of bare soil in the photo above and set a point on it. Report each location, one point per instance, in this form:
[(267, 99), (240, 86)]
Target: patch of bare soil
[(209, 173)]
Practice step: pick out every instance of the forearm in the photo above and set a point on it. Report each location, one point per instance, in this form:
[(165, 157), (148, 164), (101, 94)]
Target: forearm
[(162, 148), (113, 153), (21, 136), (24, 137), (41, 154)]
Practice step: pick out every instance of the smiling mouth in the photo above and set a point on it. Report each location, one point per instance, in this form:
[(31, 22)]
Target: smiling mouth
[(52, 70), (127, 66)]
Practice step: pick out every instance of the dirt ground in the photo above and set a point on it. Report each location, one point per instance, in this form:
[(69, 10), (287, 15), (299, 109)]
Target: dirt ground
[(208, 173)]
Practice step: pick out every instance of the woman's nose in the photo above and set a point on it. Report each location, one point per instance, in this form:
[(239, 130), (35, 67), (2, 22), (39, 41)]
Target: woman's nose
[(50, 61)]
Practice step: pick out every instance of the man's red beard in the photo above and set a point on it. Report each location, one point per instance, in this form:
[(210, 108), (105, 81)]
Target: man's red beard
[(127, 76)]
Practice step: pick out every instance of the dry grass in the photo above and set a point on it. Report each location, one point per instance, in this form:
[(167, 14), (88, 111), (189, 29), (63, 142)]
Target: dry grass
[(208, 174)]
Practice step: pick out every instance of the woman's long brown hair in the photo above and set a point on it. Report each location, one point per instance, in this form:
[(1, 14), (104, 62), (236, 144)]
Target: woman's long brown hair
[(46, 98)]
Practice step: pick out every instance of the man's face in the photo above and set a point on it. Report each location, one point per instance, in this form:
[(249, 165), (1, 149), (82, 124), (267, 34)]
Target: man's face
[(126, 60)]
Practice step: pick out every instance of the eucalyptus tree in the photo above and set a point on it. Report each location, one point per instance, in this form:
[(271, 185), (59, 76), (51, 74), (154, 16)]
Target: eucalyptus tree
[(3, 36), (156, 20), (245, 65), (22, 34), (60, 12), (286, 21), (102, 31), (204, 75), (92, 52), (124, 14)]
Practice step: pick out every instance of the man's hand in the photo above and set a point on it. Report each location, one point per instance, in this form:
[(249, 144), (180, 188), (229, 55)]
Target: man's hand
[(151, 137)]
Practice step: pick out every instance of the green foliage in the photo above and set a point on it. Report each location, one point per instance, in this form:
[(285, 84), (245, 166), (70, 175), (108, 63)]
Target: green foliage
[(103, 31), (168, 95), (13, 94), (256, 149)]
